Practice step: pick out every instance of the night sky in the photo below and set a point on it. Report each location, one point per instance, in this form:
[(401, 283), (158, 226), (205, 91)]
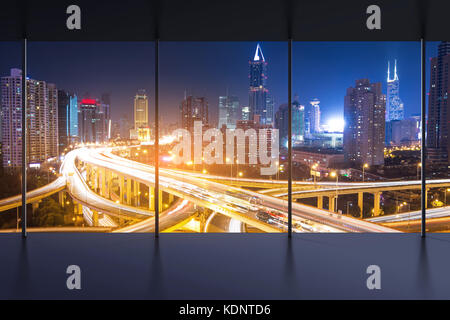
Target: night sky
[(322, 70)]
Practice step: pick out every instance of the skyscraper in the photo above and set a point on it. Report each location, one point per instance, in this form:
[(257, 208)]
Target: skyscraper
[(245, 113), (312, 117), (258, 90), (269, 109), (140, 109), (229, 111), (364, 115), (67, 119), (11, 103), (52, 125), (42, 120), (394, 105), (298, 122), (438, 147), (193, 109), (92, 120)]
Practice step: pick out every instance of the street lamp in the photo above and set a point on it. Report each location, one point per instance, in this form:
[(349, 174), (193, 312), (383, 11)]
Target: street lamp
[(364, 167)]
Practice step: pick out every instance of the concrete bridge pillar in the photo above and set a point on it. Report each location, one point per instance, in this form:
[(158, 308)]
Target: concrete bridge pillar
[(88, 174), (376, 203), (109, 183), (332, 203), (103, 190), (320, 202), (95, 218), (361, 202), (61, 198), (121, 188), (129, 195), (136, 193), (151, 199)]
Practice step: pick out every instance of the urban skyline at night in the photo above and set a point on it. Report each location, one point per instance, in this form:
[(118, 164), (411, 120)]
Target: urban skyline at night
[(224, 113), (122, 75)]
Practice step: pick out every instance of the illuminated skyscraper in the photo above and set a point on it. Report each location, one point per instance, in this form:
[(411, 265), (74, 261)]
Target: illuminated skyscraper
[(258, 90), (312, 117), (51, 135), (298, 123), (193, 109), (438, 142), (42, 120), (245, 113), (140, 109), (67, 119), (229, 111), (394, 105), (92, 121), (364, 115), (11, 103)]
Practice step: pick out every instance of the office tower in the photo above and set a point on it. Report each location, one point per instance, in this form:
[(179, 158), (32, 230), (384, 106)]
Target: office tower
[(312, 117), (52, 125), (298, 122), (438, 147), (37, 120), (193, 109), (258, 90), (364, 115), (92, 121), (245, 113), (269, 109), (11, 104), (140, 109), (67, 119), (229, 111), (394, 105)]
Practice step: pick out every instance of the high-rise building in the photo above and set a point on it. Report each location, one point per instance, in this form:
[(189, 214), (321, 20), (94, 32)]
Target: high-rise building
[(438, 142), (52, 125), (312, 117), (140, 109), (11, 104), (42, 120), (245, 113), (364, 115), (270, 103), (258, 90), (229, 111), (394, 105), (298, 122), (94, 125), (193, 109), (67, 119)]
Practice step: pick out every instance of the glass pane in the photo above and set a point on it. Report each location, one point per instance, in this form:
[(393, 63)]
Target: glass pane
[(220, 153), (437, 141), (356, 132), (11, 135), (84, 98)]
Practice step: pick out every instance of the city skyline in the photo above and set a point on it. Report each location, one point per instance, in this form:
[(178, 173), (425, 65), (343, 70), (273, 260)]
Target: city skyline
[(91, 68)]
